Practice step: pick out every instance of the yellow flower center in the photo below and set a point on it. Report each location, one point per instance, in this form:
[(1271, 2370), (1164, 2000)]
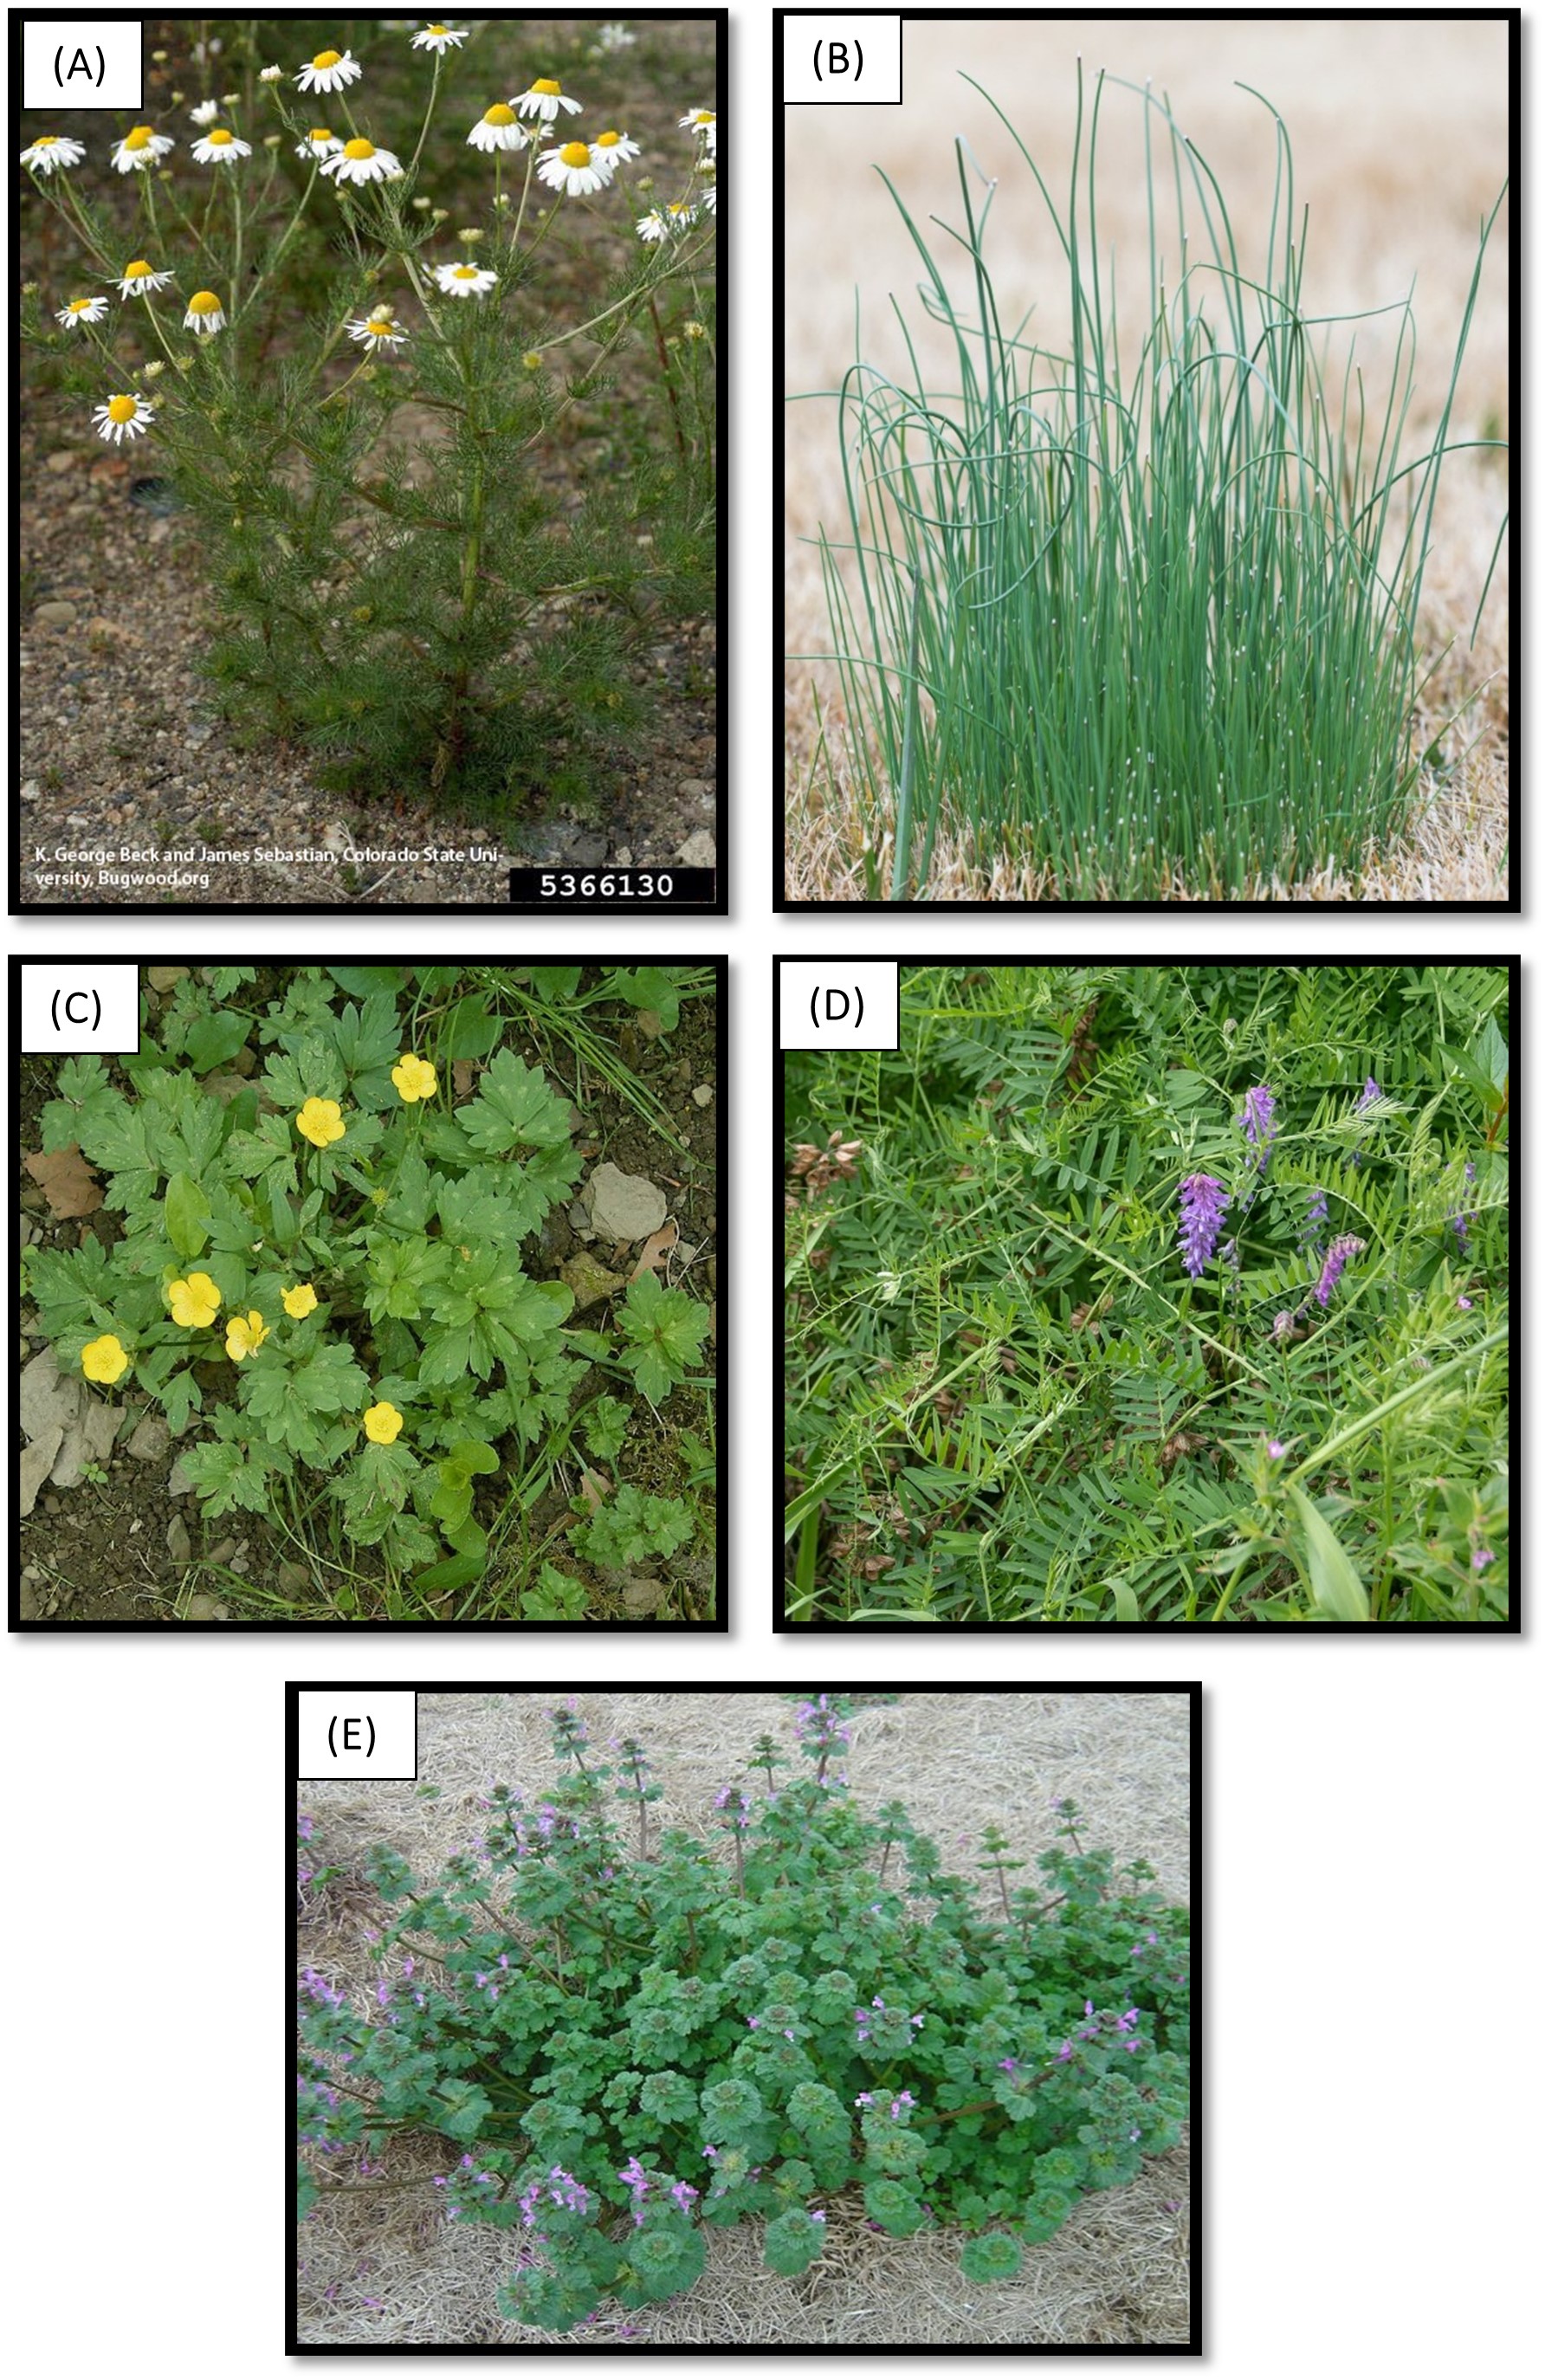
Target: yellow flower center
[(327, 58), (550, 90), (140, 137), (574, 152), (204, 301), (219, 136), (137, 271), (358, 149), (607, 140), (500, 114), (121, 409), (322, 135), (47, 140), (81, 305), (437, 29)]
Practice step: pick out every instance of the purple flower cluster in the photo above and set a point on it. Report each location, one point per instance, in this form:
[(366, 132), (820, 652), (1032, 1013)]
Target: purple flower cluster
[(1347, 1245), (1202, 1201), (1257, 1125)]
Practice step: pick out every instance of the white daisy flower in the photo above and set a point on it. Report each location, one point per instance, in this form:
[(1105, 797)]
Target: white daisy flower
[(703, 122), (272, 73), (666, 221), (138, 280), (50, 151), (571, 168), (361, 161), (205, 313), (221, 148), (615, 146), (498, 129), (318, 145), (140, 148), (544, 99), (438, 38), (81, 310), (121, 417), (615, 37), (379, 329), (464, 280), (330, 70), (710, 201), (207, 112)]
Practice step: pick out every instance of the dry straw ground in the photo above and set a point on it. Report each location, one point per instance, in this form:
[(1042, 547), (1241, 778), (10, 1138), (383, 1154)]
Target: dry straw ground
[(384, 2268), (1400, 142)]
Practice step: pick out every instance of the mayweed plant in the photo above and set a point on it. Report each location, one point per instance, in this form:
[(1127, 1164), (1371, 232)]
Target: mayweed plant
[(1121, 1231), (1149, 628), (450, 452), (316, 1274), (625, 2037)]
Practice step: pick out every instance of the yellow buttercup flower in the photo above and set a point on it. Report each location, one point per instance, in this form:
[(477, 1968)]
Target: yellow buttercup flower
[(415, 1078), (195, 1301), (321, 1122), (299, 1302), (245, 1336), (382, 1425), (104, 1360)]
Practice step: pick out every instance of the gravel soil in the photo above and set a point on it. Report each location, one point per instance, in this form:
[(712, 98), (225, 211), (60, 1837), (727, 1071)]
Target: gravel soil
[(126, 762)]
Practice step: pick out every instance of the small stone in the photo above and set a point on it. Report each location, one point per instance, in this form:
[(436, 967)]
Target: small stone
[(642, 1596), (64, 460), (699, 849), (648, 1022), (224, 1550), (703, 1095), (179, 1545), (294, 1577), (30, 1608), (151, 1441), (162, 978), (590, 1280), (181, 1481), (205, 1607), (30, 791), (624, 1206), (55, 615)]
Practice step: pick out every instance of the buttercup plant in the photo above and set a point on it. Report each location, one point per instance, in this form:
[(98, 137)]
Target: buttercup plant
[(827, 2030), (317, 1277), (359, 393)]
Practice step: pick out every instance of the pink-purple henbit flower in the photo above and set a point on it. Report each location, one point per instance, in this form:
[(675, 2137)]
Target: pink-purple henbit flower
[(1202, 1201)]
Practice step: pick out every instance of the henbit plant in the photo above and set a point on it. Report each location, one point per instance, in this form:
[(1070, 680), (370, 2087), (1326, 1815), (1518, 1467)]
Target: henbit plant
[(1165, 1294), (406, 579), (1149, 633), (837, 2012), (324, 1262)]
